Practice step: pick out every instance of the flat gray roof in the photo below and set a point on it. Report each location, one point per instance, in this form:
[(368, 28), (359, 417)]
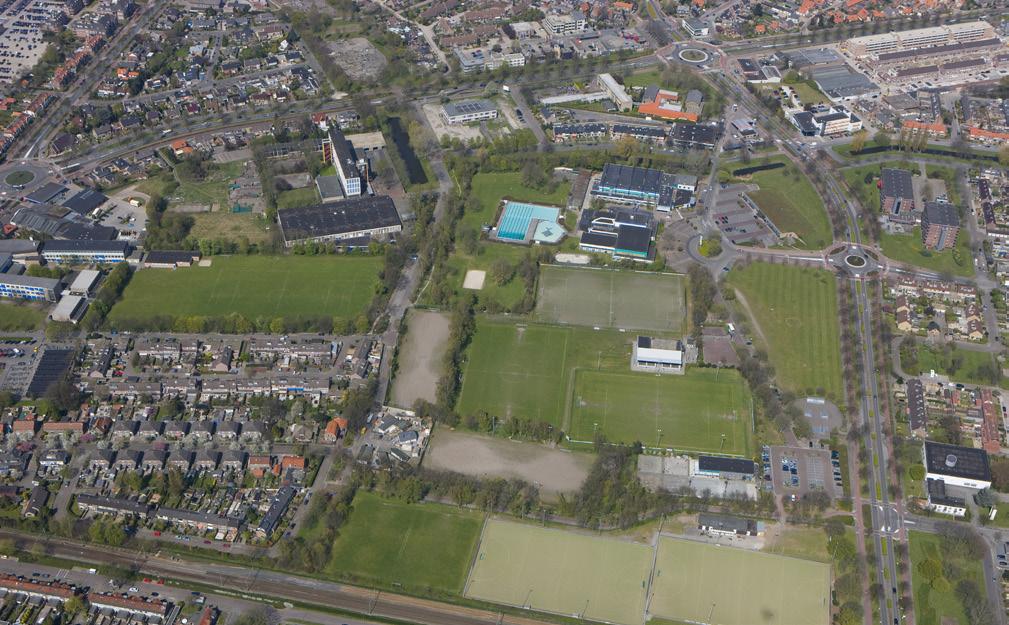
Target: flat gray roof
[(468, 107)]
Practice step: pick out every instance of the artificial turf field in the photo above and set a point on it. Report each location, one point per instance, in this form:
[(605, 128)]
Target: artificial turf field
[(611, 299), (705, 583), (416, 546), (578, 379), (795, 309), (254, 286), (563, 572), (692, 411)]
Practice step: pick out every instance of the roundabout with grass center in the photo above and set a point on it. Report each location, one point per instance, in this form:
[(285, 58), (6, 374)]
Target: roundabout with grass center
[(19, 178), (855, 260), (694, 55)]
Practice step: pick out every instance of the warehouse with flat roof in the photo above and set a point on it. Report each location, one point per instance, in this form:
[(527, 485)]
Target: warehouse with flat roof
[(967, 467), (362, 218), (469, 111)]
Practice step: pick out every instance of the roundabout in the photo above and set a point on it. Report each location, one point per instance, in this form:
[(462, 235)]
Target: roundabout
[(19, 178), (694, 55), (853, 260)]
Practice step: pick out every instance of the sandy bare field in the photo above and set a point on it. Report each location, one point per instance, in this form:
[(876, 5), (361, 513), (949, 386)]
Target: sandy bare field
[(553, 470), (420, 359)]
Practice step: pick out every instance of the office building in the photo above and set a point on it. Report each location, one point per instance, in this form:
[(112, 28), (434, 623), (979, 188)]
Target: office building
[(85, 252), (336, 151)]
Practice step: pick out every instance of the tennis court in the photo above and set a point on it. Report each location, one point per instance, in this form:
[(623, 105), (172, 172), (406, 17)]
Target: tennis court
[(705, 583), (562, 572), (633, 300)]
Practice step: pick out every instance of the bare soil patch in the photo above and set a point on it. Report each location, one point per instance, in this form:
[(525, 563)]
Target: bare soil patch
[(554, 471), (420, 358)]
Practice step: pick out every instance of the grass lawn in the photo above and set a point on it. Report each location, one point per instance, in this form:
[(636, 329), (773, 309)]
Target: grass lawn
[(505, 296), (795, 312), (418, 546), (808, 93), (961, 365), (254, 286), (296, 198), (491, 188), (213, 190), (616, 299), (797, 541), (908, 248), (162, 184), (561, 571), (20, 316), (702, 410), (705, 583), (936, 602), (230, 226), (790, 200)]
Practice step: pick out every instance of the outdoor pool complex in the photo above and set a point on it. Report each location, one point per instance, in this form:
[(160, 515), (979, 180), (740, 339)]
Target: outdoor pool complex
[(518, 216)]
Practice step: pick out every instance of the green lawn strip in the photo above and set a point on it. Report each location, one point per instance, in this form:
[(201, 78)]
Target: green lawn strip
[(16, 316), (415, 546), (796, 310), (703, 410), (908, 248), (296, 198), (790, 200), (937, 601), (254, 286)]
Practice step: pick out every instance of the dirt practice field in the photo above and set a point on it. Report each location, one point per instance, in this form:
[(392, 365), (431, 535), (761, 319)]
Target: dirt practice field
[(553, 470), (561, 571), (705, 583), (420, 358), (612, 299)]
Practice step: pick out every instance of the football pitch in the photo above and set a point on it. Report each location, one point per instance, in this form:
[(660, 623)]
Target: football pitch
[(705, 583), (253, 286), (703, 410), (415, 546), (611, 299), (579, 380), (562, 572)]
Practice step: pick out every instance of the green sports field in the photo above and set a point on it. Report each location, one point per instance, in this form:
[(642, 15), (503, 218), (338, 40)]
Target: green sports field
[(692, 412), (253, 286), (705, 583), (612, 299), (562, 572), (416, 546), (794, 311)]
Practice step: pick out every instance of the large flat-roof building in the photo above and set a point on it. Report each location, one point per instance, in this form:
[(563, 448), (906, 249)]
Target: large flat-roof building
[(85, 252), (656, 355), (920, 38), (469, 111), (641, 186), (966, 467), (361, 218), (620, 233), (896, 196), (615, 91), (336, 151), (28, 287)]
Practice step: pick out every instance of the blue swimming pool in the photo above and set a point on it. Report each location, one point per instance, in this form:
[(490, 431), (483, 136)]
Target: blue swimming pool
[(516, 217)]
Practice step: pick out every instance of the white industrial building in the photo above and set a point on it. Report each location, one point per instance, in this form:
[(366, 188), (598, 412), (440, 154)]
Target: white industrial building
[(656, 355)]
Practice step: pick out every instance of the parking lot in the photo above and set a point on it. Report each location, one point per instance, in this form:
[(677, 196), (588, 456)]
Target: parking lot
[(16, 359), (801, 470)]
